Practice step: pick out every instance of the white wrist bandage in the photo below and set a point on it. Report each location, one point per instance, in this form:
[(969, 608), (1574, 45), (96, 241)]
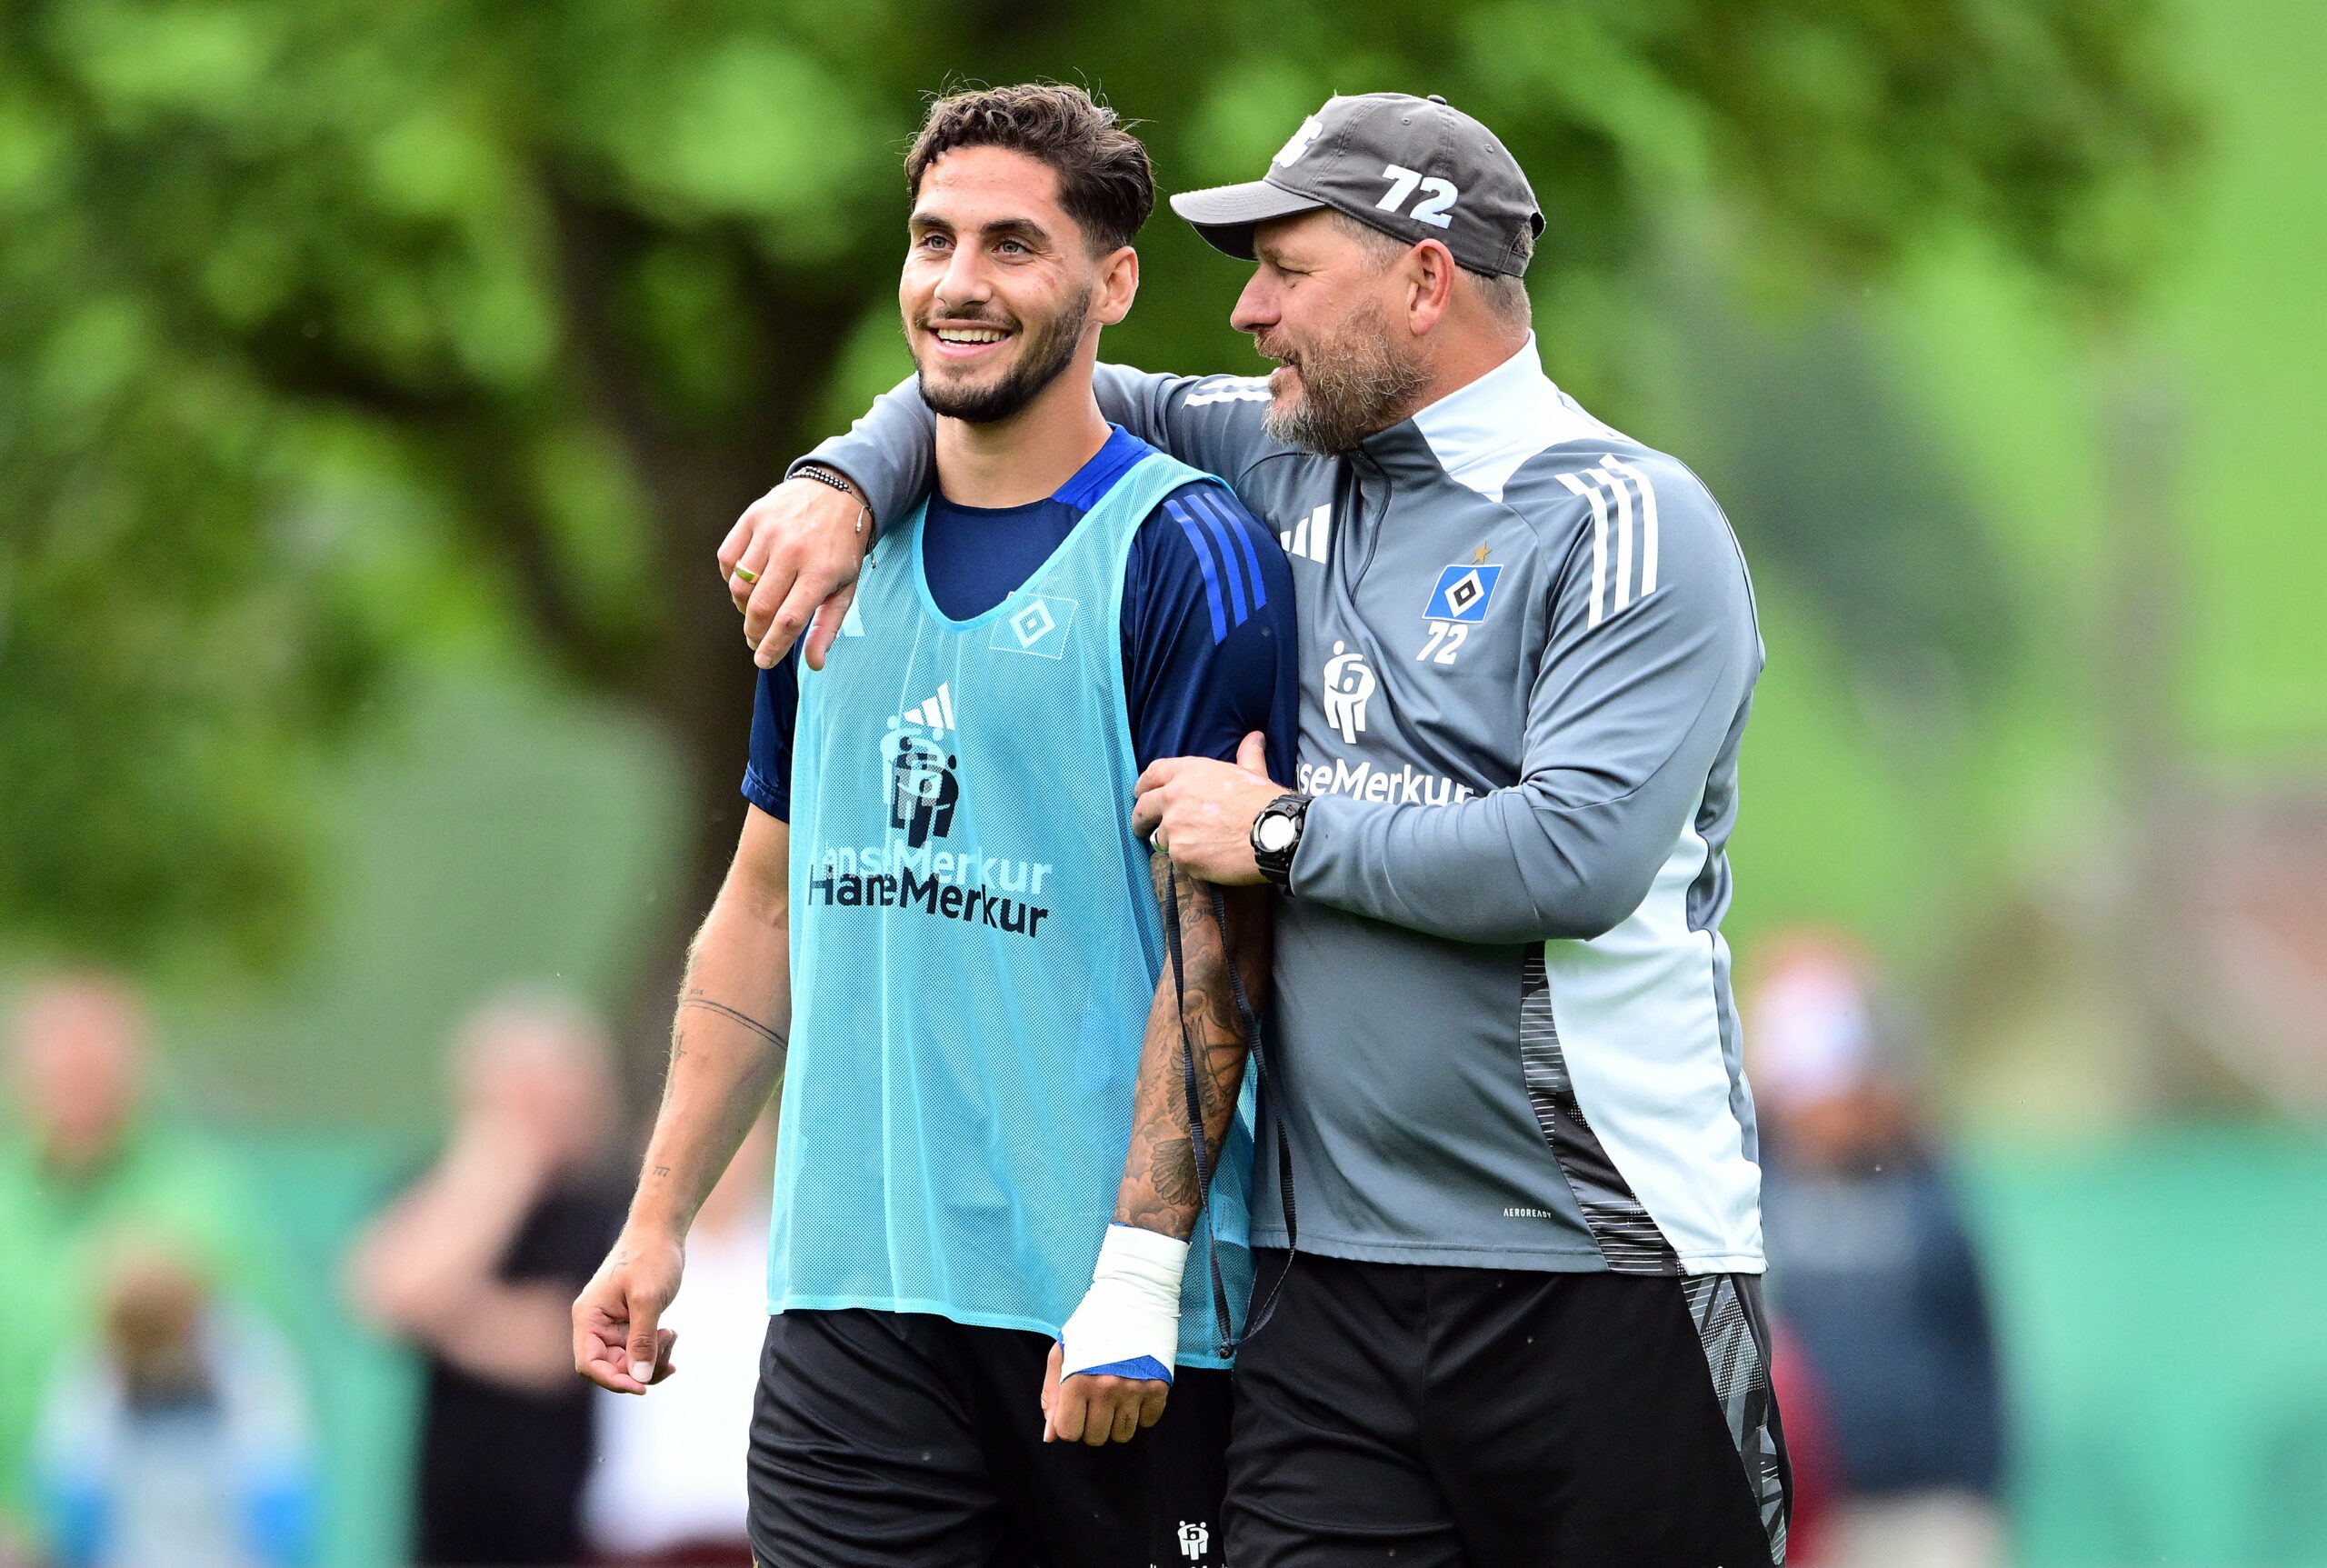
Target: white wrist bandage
[(1129, 1322)]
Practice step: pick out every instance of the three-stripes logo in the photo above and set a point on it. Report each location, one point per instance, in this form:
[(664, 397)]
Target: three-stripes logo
[(1610, 488), (1311, 537), (937, 711), (1230, 389), (1224, 546)]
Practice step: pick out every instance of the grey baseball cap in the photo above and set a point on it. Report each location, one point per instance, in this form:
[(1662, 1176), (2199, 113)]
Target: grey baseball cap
[(1414, 168)]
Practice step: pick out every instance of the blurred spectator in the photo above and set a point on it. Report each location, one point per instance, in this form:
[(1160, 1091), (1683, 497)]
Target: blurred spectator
[(181, 1439), (668, 1491), (1872, 1270), (1809, 1450), (478, 1264), (85, 1162)]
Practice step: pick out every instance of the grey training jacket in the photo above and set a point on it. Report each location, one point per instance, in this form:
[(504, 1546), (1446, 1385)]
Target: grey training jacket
[(1503, 1030)]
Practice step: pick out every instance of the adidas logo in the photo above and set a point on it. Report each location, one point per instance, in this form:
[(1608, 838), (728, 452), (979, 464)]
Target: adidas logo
[(1313, 536), (936, 712)]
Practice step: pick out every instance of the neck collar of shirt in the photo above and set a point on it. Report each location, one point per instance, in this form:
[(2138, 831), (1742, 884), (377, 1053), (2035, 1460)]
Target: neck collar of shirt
[(1116, 456), (1481, 432)]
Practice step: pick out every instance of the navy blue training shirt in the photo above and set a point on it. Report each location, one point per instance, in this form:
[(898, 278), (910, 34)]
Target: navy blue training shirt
[(1208, 647)]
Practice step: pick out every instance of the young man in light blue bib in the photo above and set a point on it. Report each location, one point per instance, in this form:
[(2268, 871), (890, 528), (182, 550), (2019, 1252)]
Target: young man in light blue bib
[(940, 846)]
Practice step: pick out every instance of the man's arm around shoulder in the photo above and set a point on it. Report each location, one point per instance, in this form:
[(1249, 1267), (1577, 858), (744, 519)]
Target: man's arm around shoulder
[(792, 558)]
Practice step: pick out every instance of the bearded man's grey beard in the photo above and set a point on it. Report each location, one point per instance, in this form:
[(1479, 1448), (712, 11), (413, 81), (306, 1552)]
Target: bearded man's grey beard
[(1350, 388), (1048, 355)]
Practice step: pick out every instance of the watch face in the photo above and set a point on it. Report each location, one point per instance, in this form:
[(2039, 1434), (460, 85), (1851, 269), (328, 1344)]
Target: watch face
[(1275, 833)]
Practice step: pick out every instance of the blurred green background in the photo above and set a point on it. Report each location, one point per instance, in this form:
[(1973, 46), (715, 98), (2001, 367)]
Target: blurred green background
[(376, 381)]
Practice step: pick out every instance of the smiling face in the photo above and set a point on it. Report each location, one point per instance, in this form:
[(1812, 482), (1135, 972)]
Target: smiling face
[(1322, 304), (1000, 290)]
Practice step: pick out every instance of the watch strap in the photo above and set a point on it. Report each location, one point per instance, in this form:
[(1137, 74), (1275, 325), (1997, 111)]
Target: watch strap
[(1276, 865)]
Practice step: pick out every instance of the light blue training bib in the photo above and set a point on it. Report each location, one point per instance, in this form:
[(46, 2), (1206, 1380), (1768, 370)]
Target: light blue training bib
[(976, 944)]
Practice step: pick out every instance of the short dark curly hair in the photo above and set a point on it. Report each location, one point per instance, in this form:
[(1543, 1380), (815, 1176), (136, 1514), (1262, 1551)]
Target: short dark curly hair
[(1104, 181)]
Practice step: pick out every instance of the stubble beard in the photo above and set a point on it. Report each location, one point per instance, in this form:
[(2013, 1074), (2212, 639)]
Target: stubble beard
[(1351, 386), (1048, 351)]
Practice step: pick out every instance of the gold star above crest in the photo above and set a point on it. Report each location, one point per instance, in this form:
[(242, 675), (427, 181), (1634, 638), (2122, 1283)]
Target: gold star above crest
[(1481, 558)]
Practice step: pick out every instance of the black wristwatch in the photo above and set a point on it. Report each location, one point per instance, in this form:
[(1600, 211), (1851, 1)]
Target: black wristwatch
[(1276, 835)]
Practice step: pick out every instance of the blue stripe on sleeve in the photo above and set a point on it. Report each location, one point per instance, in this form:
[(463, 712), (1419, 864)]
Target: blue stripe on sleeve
[(1197, 543), (1232, 568), (1232, 518)]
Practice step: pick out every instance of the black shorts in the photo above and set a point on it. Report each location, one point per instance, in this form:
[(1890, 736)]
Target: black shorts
[(893, 1440), (1426, 1417)]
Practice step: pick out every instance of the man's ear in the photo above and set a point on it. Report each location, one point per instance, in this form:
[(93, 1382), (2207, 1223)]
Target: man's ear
[(1118, 286), (1430, 272)]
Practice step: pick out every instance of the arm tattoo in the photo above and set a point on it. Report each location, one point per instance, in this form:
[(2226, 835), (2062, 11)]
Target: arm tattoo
[(1174, 1172), (693, 1000), (1161, 1191)]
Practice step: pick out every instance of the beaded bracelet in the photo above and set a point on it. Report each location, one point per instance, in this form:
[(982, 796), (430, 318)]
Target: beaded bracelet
[(823, 475)]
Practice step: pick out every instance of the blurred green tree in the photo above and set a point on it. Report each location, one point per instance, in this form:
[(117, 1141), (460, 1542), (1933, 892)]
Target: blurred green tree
[(330, 326)]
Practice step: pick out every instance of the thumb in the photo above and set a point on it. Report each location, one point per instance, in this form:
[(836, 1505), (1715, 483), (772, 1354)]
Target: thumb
[(645, 1340), (1253, 757), (1049, 1395)]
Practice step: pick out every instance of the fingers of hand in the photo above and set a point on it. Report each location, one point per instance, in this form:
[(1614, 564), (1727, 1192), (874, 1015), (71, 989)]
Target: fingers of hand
[(739, 538), (1068, 1411), (792, 619), (1148, 808), (743, 554), (733, 542), (1253, 754), (1157, 773), (599, 1337), (1114, 1413), (805, 545), (1097, 1411), (604, 1364), (607, 1373), (777, 579), (589, 1350), (1099, 1414), (829, 616)]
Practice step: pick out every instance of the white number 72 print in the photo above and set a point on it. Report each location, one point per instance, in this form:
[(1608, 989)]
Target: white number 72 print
[(1445, 637), (1437, 195)]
